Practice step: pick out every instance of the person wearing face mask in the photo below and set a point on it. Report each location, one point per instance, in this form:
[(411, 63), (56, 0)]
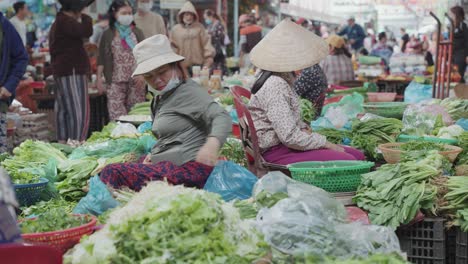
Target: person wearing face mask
[(217, 32), (70, 66), (148, 21), (116, 61), (189, 125), (191, 39)]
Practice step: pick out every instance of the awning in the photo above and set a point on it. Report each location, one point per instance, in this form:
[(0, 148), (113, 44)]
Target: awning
[(298, 11)]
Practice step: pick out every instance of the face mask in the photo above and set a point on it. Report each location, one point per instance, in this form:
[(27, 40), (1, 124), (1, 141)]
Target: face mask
[(208, 21), (125, 20), (145, 6)]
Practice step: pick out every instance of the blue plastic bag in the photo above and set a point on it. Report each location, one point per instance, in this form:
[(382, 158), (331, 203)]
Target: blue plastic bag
[(416, 92), (231, 181), (97, 201), (145, 127), (463, 123)]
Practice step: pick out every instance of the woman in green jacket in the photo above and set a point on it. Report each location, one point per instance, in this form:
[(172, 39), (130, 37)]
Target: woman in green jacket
[(189, 125), (116, 61)]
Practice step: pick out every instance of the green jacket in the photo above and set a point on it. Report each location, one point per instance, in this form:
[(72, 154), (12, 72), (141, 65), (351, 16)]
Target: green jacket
[(105, 57), (183, 120)]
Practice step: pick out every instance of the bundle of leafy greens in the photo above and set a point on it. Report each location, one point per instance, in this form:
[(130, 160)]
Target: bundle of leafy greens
[(104, 134), (463, 143), (462, 219), (27, 164), (234, 151), (73, 177), (53, 220), (335, 136), (393, 194), (456, 108), (369, 134), (422, 146), (169, 224), (308, 111), (46, 206), (143, 108), (457, 199)]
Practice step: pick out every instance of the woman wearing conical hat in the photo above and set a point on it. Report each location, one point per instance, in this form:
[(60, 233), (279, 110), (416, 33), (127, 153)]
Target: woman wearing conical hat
[(191, 38), (283, 137)]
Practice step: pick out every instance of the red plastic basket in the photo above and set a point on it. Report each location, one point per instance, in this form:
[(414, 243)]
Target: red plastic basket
[(62, 240), (29, 254), (236, 130)]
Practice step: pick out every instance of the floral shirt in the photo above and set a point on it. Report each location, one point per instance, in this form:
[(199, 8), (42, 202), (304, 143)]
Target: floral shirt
[(124, 62), (275, 110)]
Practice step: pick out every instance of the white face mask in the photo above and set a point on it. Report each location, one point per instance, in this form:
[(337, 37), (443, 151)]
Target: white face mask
[(172, 84), (125, 20), (146, 7)]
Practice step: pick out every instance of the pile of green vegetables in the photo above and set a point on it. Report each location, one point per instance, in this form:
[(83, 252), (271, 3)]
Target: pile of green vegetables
[(169, 224), (335, 136), (372, 259), (308, 111), (234, 151), (394, 193), (29, 159), (53, 220), (457, 198), (46, 206), (422, 146), (248, 209), (456, 108), (368, 135), (226, 99), (104, 134), (463, 143), (143, 108)]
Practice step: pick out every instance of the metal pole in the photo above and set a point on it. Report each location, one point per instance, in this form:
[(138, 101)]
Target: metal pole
[(219, 7), (436, 68), (236, 28)]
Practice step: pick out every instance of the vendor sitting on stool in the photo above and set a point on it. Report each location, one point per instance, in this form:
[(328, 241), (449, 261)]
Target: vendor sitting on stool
[(283, 137), (189, 125)]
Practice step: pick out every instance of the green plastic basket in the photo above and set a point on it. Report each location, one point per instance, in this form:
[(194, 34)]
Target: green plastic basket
[(408, 138), (332, 176), (386, 109)]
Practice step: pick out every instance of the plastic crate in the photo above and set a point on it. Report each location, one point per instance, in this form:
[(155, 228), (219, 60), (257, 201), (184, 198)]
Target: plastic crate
[(425, 242), (451, 245), (461, 247), (332, 176)]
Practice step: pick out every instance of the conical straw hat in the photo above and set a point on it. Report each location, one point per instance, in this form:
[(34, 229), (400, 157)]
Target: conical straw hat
[(288, 47)]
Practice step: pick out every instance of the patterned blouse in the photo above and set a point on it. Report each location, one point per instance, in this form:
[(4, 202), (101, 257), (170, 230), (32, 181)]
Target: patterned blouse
[(311, 85), (124, 62), (275, 110), (338, 68)]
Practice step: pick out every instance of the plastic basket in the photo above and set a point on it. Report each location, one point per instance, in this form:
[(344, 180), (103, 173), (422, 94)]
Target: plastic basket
[(461, 247), (29, 194), (386, 109), (381, 97), (332, 176), (392, 152), (425, 242), (65, 239), (407, 138)]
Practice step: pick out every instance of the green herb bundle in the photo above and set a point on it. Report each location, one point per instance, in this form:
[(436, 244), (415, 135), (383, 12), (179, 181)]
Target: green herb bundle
[(335, 136), (53, 220), (307, 111)]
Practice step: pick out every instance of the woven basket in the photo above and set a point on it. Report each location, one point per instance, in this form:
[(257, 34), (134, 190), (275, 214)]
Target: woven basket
[(29, 194), (332, 176), (62, 240), (392, 152)]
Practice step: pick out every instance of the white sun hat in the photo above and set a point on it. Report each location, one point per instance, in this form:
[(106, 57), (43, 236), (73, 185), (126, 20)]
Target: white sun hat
[(288, 47), (153, 53)]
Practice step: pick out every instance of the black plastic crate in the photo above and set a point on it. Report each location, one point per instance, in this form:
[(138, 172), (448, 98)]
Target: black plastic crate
[(462, 247), (451, 245), (425, 242)]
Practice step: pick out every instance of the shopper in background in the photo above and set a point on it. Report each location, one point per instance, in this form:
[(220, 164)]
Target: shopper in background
[(337, 65), (70, 66), (382, 49), (404, 39), (311, 85), (102, 24), (148, 21), (117, 63), (250, 36), (19, 20), (354, 33), (414, 46), (369, 41), (189, 125), (217, 33), (9, 230), (460, 40), (283, 137), (191, 39)]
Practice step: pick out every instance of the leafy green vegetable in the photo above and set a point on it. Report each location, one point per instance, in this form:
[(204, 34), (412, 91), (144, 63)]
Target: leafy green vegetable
[(462, 219), (234, 151), (439, 123), (52, 220), (393, 194), (62, 147), (463, 143), (74, 175), (369, 134), (422, 146), (143, 108), (46, 206), (335, 136), (226, 99), (307, 111), (457, 196), (456, 108), (104, 134)]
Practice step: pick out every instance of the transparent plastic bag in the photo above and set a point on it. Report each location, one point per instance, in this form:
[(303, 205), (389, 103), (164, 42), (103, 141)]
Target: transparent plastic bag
[(420, 119), (231, 181), (98, 200), (416, 92), (114, 147), (124, 130), (145, 127), (350, 104)]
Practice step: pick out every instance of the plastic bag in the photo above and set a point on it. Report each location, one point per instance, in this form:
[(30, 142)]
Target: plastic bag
[(463, 123), (416, 92), (124, 130), (145, 127), (231, 181), (312, 222), (97, 201), (339, 114), (112, 148)]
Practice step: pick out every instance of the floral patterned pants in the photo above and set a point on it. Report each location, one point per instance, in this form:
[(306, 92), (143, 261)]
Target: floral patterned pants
[(136, 175), (121, 96)]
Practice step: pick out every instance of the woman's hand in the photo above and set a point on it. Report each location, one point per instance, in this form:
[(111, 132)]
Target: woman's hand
[(147, 160), (334, 147), (308, 130), (100, 86), (208, 154)]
